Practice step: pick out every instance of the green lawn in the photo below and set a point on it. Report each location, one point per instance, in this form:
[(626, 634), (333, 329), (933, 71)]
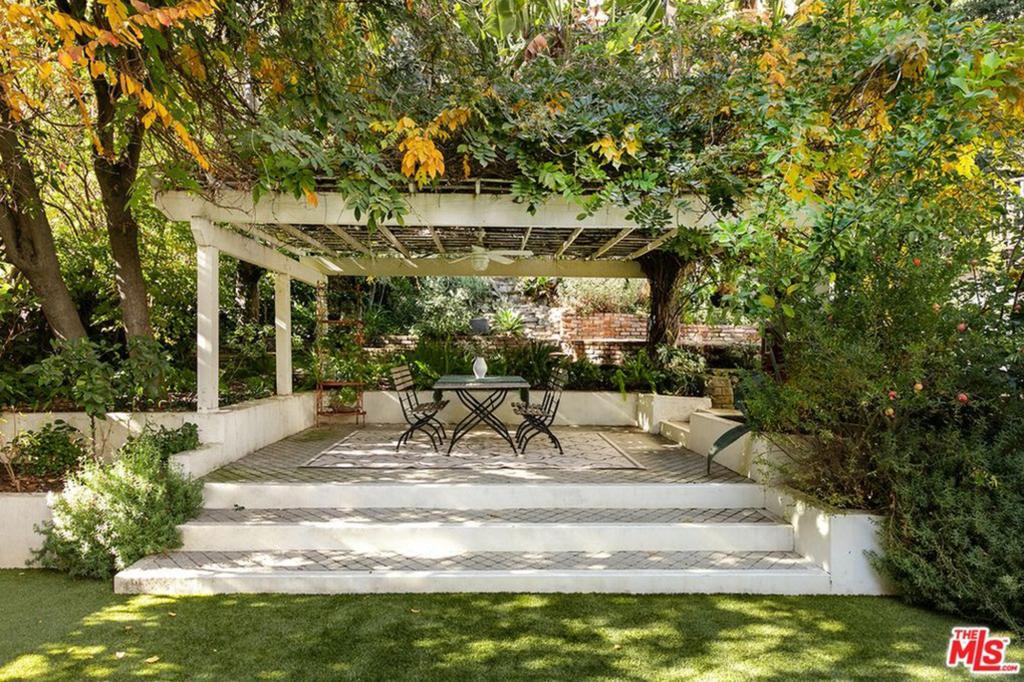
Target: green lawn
[(53, 627)]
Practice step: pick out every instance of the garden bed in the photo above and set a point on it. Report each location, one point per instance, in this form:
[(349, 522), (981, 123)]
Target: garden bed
[(26, 483)]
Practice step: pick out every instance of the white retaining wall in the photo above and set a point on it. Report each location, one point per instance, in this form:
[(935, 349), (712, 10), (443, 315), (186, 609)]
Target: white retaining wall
[(20, 513), (652, 409), (837, 540), (227, 435), (578, 408)]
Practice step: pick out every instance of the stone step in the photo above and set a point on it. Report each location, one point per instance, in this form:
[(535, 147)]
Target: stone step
[(334, 571), (675, 430), (433, 532), (515, 494)]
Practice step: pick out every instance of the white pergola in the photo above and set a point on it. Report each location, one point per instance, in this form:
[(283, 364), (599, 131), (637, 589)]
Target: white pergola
[(306, 241)]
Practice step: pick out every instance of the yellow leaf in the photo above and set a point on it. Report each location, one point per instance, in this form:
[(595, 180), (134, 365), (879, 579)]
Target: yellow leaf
[(97, 68), (767, 301), (148, 119), (311, 197)]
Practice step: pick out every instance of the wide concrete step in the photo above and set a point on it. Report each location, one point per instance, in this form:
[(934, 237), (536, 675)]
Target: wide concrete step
[(438, 532), (340, 571), (675, 430), (515, 494)]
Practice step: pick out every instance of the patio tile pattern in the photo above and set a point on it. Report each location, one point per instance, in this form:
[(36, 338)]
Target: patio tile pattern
[(374, 448), (483, 516), (343, 560), (664, 461)]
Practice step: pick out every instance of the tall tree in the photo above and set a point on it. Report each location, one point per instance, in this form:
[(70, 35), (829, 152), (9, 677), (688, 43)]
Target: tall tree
[(26, 232), (52, 54)]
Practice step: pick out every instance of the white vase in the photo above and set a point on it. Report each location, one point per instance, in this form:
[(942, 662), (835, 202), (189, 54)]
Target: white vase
[(479, 367)]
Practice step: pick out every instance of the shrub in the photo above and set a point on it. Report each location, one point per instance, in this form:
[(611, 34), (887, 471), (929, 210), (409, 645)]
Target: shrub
[(586, 375), (111, 515), (953, 537), (590, 295), (532, 360), (167, 441), (53, 450)]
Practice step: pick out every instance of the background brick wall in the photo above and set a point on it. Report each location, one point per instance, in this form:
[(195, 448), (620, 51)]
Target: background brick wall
[(605, 338)]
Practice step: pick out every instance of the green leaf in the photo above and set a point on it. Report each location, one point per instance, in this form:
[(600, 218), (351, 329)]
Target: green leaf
[(767, 301)]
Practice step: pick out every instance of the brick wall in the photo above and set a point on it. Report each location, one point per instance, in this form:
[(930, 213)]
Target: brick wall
[(603, 326), (605, 337), (718, 335)]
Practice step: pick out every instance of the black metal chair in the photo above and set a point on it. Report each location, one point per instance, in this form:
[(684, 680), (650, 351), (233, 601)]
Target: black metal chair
[(420, 416), (537, 419)]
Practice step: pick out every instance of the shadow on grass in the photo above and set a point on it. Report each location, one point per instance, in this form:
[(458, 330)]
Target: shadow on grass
[(91, 633)]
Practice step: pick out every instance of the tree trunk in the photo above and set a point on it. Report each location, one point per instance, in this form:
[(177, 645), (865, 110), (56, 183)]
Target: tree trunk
[(115, 180), (28, 237), (248, 290), (664, 271)]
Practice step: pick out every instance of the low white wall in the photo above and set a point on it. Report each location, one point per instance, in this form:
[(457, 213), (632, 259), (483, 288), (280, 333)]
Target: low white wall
[(578, 408), (20, 513), (112, 432), (652, 409), (755, 458), (227, 434), (836, 540), (246, 427)]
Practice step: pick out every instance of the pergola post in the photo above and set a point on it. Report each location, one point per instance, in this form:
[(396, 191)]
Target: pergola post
[(207, 320), (283, 332)]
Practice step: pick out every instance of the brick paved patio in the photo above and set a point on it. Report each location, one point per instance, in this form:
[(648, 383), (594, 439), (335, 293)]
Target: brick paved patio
[(664, 462)]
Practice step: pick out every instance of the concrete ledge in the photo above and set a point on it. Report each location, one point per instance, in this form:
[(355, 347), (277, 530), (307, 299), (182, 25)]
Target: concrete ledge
[(227, 434), (225, 495), (20, 513), (653, 409), (578, 408), (443, 539), (836, 540), (695, 581)]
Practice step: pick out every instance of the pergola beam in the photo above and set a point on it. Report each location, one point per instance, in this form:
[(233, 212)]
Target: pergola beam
[(274, 241), (206, 233), (568, 242), (302, 236), (395, 241), (652, 245), (623, 233), (349, 239), (437, 240), (523, 267), (423, 209)]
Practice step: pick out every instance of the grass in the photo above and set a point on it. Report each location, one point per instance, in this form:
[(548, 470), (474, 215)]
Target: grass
[(57, 628)]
